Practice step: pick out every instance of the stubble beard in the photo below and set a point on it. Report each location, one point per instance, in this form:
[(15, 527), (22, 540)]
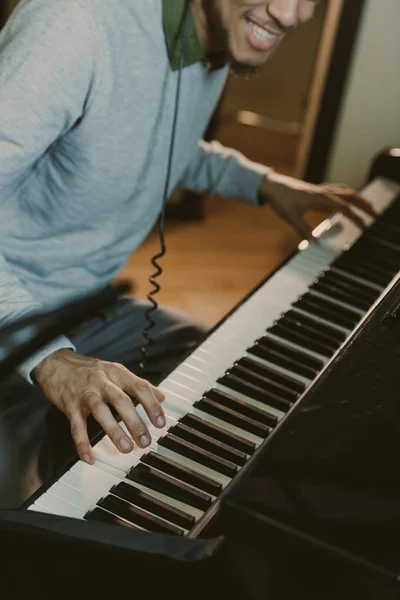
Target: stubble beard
[(224, 56)]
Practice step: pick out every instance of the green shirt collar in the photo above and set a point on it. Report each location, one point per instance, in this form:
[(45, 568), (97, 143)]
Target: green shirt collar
[(174, 12)]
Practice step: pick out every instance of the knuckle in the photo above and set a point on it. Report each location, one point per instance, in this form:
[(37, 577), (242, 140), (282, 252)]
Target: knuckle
[(120, 401)]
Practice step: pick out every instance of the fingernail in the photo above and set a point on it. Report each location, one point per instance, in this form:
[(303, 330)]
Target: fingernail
[(144, 441), (88, 459), (126, 445), (160, 421)]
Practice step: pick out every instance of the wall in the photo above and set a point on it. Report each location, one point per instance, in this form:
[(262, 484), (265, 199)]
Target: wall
[(370, 117)]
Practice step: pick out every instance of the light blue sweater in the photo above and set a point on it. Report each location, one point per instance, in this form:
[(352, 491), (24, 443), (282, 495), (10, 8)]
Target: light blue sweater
[(86, 105)]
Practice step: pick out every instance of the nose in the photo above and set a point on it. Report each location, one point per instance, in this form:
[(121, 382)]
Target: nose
[(284, 12)]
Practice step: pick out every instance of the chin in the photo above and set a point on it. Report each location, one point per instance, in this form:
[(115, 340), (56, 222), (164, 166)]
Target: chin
[(247, 63)]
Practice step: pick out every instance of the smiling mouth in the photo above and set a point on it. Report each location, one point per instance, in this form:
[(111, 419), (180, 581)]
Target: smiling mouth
[(261, 33)]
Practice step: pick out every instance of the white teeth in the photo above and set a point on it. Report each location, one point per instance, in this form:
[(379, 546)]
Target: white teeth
[(261, 34)]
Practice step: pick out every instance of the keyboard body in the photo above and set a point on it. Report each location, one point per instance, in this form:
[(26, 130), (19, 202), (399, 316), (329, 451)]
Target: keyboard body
[(226, 399)]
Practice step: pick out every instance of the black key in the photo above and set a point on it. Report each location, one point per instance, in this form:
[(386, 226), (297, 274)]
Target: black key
[(331, 333), (218, 433), (269, 373), (233, 417), (173, 479), (297, 355), (279, 359), (235, 381), (153, 505), (385, 243), (137, 516), (325, 310), (260, 377), (332, 291), (309, 327), (374, 251), (380, 256), (207, 443), (242, 407), (344, 283), (360, 270), (203, 457), (385, 272), (300, 338), (389, 232), (102, 516)]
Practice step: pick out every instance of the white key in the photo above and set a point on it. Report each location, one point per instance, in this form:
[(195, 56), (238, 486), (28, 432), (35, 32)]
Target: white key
[(73, 496), (59, 507), (100, 483)]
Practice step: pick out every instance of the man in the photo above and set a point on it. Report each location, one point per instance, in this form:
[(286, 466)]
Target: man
[(87, 92)]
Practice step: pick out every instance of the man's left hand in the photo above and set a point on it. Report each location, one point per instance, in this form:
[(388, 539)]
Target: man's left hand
[(291, 198)]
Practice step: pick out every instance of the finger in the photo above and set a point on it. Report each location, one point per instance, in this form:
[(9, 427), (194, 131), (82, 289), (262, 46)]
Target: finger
[(148, 396), (349, 195), (104, 417), (346, 211), (302, 229), (81, 439), (125, 408)]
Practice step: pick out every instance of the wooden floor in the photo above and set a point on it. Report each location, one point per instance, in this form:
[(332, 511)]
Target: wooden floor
[(213, 264)]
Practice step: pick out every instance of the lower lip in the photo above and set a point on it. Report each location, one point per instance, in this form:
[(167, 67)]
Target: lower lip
[(256, 43)]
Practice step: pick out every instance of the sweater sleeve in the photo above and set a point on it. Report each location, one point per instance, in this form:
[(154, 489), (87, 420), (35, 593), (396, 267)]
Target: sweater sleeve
[(224, 171), (46, 74)]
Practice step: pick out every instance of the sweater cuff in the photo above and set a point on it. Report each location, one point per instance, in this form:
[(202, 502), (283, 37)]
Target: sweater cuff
[(25, 369)]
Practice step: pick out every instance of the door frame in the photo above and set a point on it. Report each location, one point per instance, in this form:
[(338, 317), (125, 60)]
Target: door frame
[(342, 24)]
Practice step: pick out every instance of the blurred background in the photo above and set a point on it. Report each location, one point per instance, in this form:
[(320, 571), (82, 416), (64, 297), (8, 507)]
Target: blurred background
[(321, 109)]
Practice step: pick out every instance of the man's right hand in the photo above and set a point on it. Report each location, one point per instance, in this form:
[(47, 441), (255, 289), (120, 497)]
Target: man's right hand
[(80, 385)]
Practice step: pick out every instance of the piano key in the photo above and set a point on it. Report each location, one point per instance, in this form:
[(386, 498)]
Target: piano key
[(98, 483), (202, 440), (73, 496), (276, 368), (295, 347), (327, 331), (362, 271), (382, 242), (352, 277), (153, 505), (185, 461), (345, 331), (346, 284), (60, 507), (299, 355), (349, 298), (229, 415), (38, 508), (219, 433), (105, 451), (138, 516), (241, 432), (103, 516), (259, 376), (180, 407), (300, 338), (343, 307), (242, 402), (191, 483), (283, 380), (237, 384), (315, 305), (279, 359), (309, 330), (198, 454)]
